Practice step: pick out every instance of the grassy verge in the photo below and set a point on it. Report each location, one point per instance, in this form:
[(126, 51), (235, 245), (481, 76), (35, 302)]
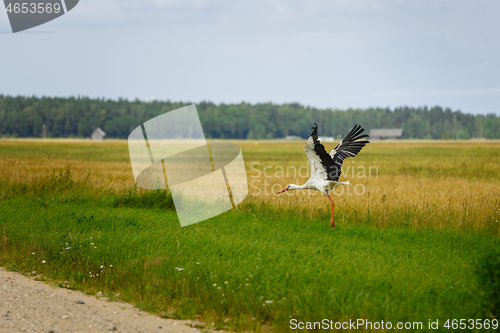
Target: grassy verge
[(242, 270), (421, 243)]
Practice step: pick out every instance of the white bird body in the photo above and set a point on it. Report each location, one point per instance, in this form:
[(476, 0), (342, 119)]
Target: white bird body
[(320, 185), (326, 168)]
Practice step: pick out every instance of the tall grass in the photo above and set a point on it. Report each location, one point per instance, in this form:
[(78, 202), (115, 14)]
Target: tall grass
[(419, 185), (245, 271), (408, 248)]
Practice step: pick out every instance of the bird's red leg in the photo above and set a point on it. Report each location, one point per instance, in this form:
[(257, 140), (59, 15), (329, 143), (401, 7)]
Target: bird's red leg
[(332, 222)]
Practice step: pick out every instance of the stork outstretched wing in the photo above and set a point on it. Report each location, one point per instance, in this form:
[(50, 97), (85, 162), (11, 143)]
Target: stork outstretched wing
[(349, 146), (328, 166), (315, 160)]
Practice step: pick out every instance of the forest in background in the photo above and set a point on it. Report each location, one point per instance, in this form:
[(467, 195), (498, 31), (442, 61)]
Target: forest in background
[(77, 117)]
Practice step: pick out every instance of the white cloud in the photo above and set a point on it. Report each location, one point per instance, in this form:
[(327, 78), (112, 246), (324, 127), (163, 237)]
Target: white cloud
[(138, 12), (317, 52), (3, 16), (423, 92), (191, 4)]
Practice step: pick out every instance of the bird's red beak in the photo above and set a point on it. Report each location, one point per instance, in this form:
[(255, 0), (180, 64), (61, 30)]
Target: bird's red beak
[(286, 189)]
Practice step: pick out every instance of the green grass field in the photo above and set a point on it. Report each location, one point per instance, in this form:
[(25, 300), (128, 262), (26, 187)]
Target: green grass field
[(418, 244)]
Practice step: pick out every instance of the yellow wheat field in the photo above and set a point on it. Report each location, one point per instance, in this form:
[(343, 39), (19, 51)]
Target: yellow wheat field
[(424, 184)]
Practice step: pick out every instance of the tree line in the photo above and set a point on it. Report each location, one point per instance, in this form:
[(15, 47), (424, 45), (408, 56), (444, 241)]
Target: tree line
[(77, 118)]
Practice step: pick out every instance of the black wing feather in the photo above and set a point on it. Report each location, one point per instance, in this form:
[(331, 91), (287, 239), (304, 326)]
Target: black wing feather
[(332, 171), (348, 147)]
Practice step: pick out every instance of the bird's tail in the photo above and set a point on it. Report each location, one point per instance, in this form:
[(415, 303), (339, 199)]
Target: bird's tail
[(345, 183)]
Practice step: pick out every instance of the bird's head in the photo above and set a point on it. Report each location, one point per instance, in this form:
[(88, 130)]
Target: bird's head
[(288, 188)]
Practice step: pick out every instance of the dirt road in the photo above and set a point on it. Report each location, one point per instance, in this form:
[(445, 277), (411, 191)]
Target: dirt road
[(27, 305)]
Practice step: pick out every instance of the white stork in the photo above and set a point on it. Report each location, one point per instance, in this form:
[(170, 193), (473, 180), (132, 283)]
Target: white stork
[(325, 168)]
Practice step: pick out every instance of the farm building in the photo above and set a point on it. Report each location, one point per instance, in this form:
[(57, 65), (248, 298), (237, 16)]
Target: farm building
[(390, 134), (98, 134), (326, 138)]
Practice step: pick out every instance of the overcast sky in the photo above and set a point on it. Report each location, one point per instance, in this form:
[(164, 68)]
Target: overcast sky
[(322, 53)]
